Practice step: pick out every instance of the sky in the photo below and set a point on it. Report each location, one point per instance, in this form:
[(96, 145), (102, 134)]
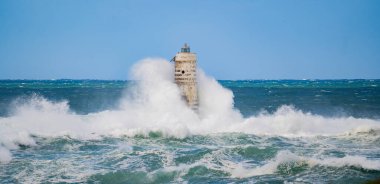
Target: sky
[(233, 39)]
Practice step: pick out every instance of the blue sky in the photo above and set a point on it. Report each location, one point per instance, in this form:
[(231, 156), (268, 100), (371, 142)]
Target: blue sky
[(234, 39)]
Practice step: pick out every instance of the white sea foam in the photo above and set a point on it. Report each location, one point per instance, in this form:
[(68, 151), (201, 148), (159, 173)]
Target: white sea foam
[(5, 155), (286, 157), (154, 103)]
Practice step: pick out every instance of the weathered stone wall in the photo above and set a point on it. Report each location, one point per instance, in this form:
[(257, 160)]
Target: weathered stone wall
[(186, 77)]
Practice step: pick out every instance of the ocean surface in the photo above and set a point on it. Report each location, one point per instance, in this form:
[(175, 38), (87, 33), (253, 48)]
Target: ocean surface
[(248, 131)]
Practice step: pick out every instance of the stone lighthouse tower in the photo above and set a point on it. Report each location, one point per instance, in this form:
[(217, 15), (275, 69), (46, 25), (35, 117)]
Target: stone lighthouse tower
[(186, 75)]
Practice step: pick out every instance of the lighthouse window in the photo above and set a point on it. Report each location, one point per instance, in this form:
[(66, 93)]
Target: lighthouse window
[(183, 71)]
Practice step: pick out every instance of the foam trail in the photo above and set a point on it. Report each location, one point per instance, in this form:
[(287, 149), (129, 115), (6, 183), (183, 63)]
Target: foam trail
[(154, 103)]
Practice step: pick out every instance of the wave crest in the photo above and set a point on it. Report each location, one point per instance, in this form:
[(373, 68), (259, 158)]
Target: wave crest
[(286, 161)]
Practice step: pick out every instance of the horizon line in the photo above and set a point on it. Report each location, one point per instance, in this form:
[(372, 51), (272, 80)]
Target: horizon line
[(214, 78)]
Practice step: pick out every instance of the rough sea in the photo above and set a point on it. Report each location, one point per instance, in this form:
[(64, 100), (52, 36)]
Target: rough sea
[(141, 131)]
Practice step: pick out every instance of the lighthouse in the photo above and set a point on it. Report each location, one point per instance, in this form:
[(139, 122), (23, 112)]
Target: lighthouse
[(186, 75)]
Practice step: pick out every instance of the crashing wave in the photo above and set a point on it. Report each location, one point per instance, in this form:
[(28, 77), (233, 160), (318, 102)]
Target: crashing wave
[(154, 103)]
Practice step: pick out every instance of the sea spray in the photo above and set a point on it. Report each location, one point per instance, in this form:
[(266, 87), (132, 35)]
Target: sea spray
[(152, 136), (154, 103)]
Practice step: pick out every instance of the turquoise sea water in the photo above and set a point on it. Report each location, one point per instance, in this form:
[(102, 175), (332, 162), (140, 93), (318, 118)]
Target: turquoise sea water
[(312, 149), (358, 98)]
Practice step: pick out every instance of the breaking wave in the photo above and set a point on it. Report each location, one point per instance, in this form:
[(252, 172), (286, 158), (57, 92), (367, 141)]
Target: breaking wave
[(154, 103)]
